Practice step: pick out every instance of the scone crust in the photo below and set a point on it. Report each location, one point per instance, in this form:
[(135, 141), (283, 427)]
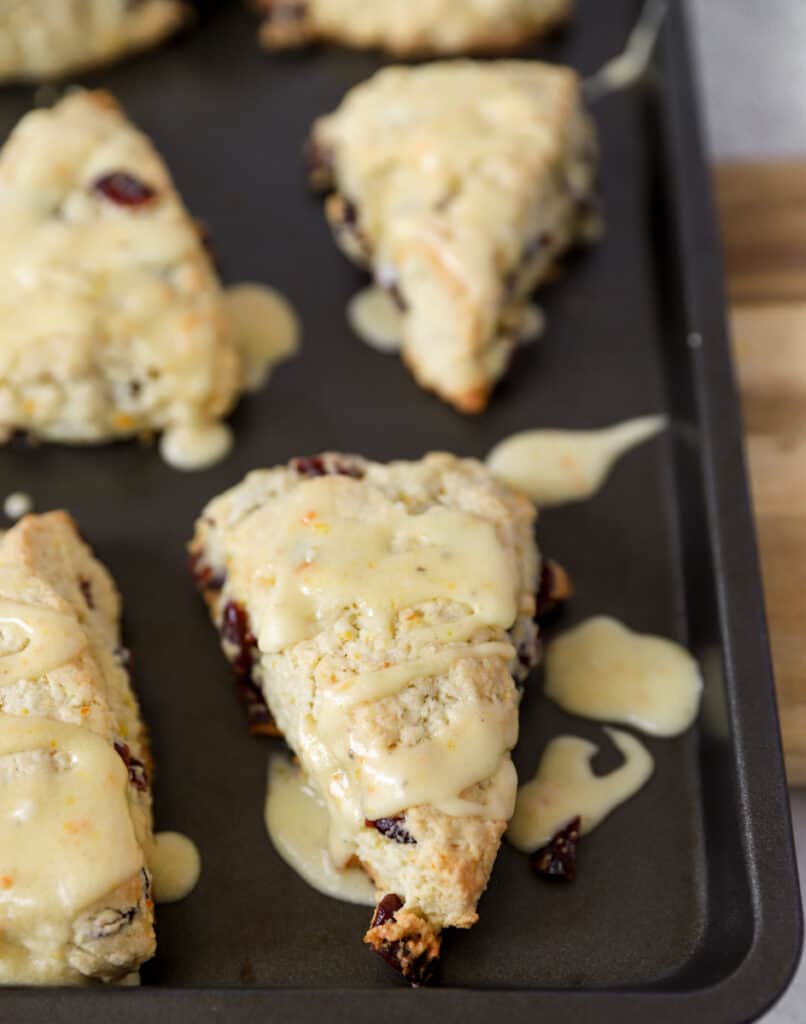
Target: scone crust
[(45, 39), (441, 869), (111, 315), (114, 937), (458, 184), (411, 28)]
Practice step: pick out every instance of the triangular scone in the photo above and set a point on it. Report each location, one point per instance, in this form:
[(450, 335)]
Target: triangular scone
[(111, 314), (75, 896), (458, 184), (48, 38), (386, 612), (409, 27)]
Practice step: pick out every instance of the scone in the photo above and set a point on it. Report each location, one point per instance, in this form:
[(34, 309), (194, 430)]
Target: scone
[(458, 185), (409, 27), (111, 314), (75, 803), (42, 39), (385, 612)]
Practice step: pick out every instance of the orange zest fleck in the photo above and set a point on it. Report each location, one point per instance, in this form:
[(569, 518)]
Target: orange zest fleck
[(123, 421)]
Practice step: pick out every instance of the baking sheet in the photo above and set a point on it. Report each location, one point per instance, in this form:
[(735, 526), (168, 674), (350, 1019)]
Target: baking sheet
[(690, 889)]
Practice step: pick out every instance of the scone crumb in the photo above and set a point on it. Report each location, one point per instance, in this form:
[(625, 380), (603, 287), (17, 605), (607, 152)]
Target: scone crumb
[(406, 942)]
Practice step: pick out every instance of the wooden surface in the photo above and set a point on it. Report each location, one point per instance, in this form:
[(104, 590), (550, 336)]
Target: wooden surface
[(763, 215)]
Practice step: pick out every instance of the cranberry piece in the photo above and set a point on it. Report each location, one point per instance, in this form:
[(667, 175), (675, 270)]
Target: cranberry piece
[(124, 189), (319, 465), (406, 954), (349, 213), (236, 631), (86, 590), (203, 575), (138, 776), (393, 829), (386, 909), (258, 717), (309, 466), (319, 163), (557, 860), (553, 591)]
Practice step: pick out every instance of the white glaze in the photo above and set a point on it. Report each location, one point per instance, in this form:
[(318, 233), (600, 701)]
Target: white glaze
[(17, 505), (33, 637), (564, 787), (297, 822), (175, 865), (376, 319), (196, 446), (265, 329), (631, 64), (531, 324), (67, 839), (558, 466), (603, 670)]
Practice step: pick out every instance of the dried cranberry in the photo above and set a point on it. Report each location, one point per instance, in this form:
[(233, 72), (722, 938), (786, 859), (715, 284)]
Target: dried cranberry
[(386, 909), (557, 860), (124, 189), (554, 589), (258, 717), (235, 630), (203, 575), (393, 828), (319, 163), (138, 776), (309, 466), (86, 590), (408, 955), (318, 465)]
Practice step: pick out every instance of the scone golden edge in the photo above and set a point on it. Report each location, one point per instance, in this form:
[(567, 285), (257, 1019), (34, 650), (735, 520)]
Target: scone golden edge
[(459, 185), (112, 321), (75, 799), (407, 28), (386, 614)]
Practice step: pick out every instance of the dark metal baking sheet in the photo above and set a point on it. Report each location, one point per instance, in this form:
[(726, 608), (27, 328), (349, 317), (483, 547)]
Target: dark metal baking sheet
[(686, 907)]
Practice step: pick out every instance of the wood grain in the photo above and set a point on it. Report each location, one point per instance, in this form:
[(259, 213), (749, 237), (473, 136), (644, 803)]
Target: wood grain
[(763, 211)]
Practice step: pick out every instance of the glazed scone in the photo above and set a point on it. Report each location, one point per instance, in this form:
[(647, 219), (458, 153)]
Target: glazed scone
[(458, 185), (75, 803), (111, 315), (42, 39), (385, 612), (409, 27)]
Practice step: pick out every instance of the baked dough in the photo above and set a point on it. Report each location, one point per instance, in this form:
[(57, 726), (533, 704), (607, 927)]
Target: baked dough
[(111, 314), (41, 39), (385, 612), (409, 27), (458, 184), (64, 686)]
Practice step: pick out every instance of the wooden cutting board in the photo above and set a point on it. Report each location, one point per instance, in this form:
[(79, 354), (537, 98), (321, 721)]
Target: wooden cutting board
[(763, 215)]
